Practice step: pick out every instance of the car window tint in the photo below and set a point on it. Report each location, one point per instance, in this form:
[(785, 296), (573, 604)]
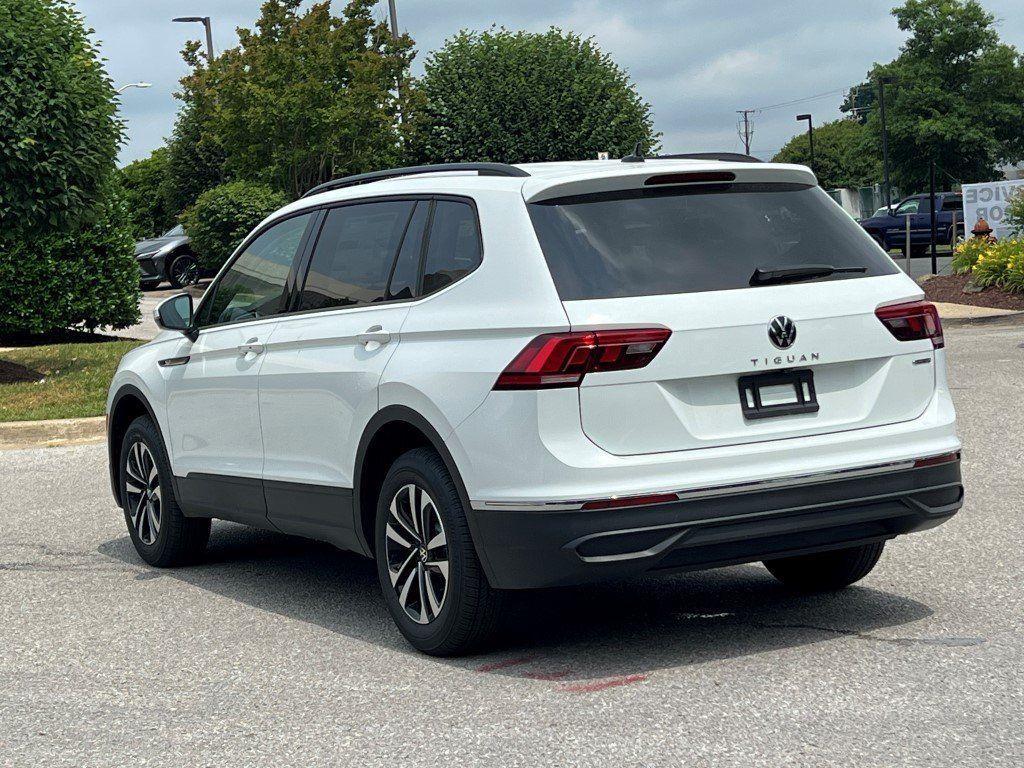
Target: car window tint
[(910, 206), (453, 250), (407, 267), (354, 254), (254, 284), (952, 204)]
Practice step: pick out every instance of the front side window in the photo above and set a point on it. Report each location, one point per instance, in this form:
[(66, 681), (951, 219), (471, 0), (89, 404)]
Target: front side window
[(670, 240), (910, 206), (254, 285), (453, 250), (354, 254)]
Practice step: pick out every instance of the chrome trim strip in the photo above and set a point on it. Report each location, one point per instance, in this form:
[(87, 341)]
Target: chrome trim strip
[(712, 491)]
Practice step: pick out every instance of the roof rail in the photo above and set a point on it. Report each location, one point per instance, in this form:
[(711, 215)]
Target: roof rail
[(729, 157), (482, 169)]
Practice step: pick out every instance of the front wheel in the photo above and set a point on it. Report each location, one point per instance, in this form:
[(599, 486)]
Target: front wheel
[(184, 271), (432, 580), (825, 571)]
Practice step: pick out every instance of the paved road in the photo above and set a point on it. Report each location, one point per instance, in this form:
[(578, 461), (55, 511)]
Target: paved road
[(278, 651)]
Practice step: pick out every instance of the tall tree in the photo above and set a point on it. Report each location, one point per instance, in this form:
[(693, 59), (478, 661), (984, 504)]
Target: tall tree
[(844, 155), (306, 96), (524, 97), (958, 95)]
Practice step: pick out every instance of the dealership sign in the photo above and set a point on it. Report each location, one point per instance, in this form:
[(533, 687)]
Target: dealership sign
[(988, 201)]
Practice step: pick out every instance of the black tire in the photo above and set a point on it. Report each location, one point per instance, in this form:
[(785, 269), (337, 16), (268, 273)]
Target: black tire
[(825, 571), (469, 607), (183, 270), (177, 540)]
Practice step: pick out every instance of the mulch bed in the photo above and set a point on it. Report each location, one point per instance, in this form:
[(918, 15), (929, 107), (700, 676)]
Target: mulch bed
[(53, 337), (12, 373), (950, 288)]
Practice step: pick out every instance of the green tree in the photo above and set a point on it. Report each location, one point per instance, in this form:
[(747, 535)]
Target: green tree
[(59, 131), (307, 96), (958, 95), (844, 154), (222, 217), (523, 97), (143, 182)]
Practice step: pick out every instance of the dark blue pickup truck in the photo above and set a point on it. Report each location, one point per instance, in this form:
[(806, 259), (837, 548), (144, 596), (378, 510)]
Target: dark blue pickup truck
[(891, 231)]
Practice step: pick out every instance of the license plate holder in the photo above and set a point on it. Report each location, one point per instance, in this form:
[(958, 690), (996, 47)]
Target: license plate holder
[(777, 393)]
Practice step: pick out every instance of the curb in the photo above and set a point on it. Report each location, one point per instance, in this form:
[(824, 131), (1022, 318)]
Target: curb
[(52, 433)]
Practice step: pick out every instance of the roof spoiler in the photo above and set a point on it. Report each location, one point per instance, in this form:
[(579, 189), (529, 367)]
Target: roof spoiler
[(482, 169), (728, 157)]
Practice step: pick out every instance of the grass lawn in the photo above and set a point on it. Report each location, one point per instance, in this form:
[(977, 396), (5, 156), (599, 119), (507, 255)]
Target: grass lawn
[(75, 383)]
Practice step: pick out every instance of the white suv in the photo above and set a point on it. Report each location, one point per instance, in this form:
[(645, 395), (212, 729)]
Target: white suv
[(493, 377)]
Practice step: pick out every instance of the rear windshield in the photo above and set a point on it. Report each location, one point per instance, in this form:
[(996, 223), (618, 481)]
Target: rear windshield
[(644, 242)]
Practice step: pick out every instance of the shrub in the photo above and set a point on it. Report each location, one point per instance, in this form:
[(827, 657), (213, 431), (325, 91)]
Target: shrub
[(59, 280), (524, 97), (966, 254), (1015, 213), (142, 182), (59, 131), (224, 215), (1001, 264)]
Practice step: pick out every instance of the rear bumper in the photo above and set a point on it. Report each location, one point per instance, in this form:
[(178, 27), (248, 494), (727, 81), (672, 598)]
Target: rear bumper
[(543, 548)]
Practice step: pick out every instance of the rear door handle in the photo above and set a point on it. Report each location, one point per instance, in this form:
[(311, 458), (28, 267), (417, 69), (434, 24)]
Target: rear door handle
[(374, 334), (252, 346)]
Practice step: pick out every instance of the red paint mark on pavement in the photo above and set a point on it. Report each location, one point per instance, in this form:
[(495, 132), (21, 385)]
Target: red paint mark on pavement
[(547, 675), (602, 685), (496, 665)]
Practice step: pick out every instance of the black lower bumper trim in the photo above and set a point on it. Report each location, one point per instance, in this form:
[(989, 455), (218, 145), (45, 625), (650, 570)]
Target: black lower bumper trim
[(524, 549)]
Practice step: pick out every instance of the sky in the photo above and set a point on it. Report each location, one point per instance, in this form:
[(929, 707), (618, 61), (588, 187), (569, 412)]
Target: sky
[(695, 61)]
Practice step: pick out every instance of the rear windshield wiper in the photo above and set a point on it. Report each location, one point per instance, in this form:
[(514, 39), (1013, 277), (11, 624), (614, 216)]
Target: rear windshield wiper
[(772, 276)]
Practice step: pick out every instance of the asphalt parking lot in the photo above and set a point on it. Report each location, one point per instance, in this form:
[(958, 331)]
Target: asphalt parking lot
[(279, 651)]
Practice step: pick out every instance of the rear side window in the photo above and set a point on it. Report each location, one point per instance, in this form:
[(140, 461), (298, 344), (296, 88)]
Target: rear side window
[(453, 250), (952, 203), (354, 254), (407, 266), (668, 240)]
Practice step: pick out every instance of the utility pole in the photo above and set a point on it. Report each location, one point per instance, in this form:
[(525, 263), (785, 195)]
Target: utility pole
[(747, 131), (885, 139), (931, 203)]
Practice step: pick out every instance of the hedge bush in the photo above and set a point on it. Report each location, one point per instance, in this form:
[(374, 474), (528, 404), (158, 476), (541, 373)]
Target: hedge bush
[(59, 131), (142, 181), (224, 215), (87, 278)]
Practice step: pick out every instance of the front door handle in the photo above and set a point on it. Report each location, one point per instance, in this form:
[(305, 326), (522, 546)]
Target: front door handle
[(252, 346), (375, 334)]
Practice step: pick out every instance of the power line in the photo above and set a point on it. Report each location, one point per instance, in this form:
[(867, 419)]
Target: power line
[(801, 101)]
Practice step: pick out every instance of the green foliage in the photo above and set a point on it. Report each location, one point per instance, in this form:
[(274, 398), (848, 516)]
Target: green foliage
[(59, 131), (224, 215), (523, 97), (1015, 213), (195, 157), (306, 96), (88, 277), (143, 182), (1000, 264), (958, 95), (844, 155), (966, 254)]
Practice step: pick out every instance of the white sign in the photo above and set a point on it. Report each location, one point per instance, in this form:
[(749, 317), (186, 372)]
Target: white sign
[(988, 201)]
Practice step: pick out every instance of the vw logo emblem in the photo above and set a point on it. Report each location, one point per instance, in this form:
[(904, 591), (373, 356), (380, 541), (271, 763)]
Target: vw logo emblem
[(782, 332)]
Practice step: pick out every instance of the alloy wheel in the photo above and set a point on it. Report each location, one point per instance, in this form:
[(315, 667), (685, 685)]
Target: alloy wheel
[(185, 271), (417, 553), (142, 485)]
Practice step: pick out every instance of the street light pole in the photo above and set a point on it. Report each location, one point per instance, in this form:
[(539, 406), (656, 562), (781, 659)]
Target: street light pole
[(394, 18), (810, 134), (882, 81), (205, 21)]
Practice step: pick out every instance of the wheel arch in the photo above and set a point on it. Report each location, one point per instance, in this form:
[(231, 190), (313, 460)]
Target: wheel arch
[(391, 432), (127, 405)]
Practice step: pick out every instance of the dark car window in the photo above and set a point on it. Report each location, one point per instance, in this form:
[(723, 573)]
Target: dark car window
[(177, 231), (453, 250), (407, 266), (686, 239), (952, 203), (908, 207), (253, 286), (354, 254)]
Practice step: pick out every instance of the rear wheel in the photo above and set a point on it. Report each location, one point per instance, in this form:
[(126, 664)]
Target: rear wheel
[(184, 271), (826, 570), (432, 580), (162, 535)]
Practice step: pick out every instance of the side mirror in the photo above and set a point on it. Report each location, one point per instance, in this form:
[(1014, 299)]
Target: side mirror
[(175, 313)]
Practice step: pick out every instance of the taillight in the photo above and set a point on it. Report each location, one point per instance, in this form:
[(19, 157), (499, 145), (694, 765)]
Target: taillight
[(913, 321), (563, 359), (931, 461)]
